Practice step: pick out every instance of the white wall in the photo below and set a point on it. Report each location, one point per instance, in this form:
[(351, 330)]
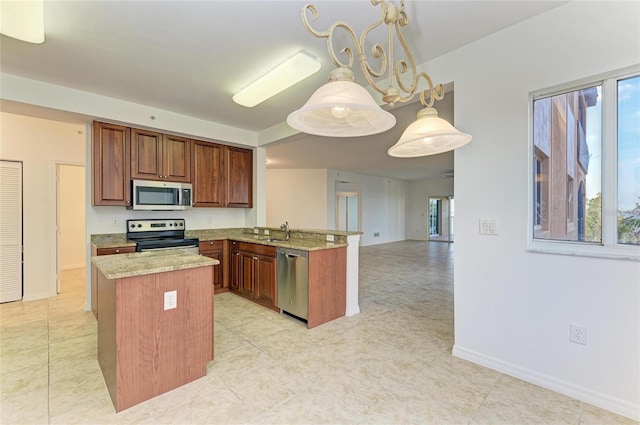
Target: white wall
[(40, 144), (417, 217), (71, 206), (297, 196), (382, 203), (512, 307)]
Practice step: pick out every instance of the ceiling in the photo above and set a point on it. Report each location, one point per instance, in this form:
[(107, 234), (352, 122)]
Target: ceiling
[(190, 57)]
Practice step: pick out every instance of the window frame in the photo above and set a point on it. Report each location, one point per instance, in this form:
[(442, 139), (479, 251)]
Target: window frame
[(609, 246)]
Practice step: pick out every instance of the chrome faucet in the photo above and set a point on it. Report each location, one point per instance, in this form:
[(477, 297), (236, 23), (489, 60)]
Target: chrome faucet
[(285, 227)]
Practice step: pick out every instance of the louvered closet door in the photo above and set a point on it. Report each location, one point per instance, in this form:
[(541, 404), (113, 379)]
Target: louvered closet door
[(10, 231)]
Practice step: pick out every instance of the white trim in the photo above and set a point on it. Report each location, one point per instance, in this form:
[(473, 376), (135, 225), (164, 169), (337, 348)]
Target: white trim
[(353, 261), (616, 405)]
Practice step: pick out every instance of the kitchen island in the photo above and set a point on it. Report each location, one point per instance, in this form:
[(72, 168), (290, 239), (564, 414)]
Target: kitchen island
[(155, 329)]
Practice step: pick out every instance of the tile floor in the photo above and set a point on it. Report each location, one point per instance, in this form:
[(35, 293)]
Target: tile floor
[(391, 364)]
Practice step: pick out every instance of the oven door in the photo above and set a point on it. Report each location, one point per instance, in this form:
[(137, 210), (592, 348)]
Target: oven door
[(188, 245)]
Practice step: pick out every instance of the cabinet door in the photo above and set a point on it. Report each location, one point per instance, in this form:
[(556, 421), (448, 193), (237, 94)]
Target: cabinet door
[(176, 159), (238, 177), (236, 270), (217, 269), (146, 155), (111, 176), (265, 280), (207, 176), (248, 274)]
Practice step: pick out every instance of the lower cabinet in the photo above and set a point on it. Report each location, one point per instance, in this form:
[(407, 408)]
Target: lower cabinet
[(215, 250), (94, 273), (253, 272)]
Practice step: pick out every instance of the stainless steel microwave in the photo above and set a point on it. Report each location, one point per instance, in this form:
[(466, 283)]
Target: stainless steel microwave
[(160, 195)]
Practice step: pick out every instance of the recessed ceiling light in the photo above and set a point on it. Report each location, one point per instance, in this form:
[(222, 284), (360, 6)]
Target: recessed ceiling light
[(293, 70)]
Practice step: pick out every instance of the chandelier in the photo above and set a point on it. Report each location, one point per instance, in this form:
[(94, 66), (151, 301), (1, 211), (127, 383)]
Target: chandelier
[(343, 108)]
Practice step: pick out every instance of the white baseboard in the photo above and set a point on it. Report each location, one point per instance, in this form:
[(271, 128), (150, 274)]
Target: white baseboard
[(38, 296), (621, 407), (352, 310)]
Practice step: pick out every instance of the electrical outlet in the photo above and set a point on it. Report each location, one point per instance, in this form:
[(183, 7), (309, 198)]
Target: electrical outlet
[(256, 231), (329, 238), (266, 232), (578, 334), (170, 300), (376, 234), (115, 222)]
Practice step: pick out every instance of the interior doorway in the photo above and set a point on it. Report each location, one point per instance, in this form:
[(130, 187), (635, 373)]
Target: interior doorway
[(347, 211), (70, 219), (440, 218)]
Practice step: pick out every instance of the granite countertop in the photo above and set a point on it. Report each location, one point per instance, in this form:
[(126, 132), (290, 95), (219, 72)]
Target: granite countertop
[(118, 266), (303, 240), (303, 243)]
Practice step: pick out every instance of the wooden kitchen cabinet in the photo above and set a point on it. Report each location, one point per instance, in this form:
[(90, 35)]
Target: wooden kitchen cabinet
[(111, 169), (207, 174), (238, 165), (215, 250), (222, 176), (253, 272), (156, 156), (94, 272)]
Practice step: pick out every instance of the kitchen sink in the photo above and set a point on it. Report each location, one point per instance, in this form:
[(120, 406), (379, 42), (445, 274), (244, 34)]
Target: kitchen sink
[(275, 240)]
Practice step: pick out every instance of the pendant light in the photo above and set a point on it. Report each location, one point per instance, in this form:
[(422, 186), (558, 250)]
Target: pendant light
[(428, 135), (343, 108)]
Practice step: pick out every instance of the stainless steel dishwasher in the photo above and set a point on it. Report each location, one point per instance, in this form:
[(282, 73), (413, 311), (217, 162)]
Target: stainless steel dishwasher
[(293, 282)]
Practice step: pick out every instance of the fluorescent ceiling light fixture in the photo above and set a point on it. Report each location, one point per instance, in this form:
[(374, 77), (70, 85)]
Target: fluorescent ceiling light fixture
[(23, 20), (292, 71)]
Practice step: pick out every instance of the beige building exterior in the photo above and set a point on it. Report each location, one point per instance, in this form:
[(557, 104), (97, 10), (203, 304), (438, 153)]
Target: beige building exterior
[(561, 164)]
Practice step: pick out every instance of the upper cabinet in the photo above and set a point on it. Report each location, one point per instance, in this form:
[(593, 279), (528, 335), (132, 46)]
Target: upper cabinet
[(207, 175), (222, 176), (156, 156), (111, 161), (238, 177)]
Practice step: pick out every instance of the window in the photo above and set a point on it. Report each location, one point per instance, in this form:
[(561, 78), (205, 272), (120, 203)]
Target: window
[(585, 163)]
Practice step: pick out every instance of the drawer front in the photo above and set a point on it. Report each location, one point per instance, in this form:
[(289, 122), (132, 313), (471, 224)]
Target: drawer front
[(210, 245), (116, 250), (253, 248)]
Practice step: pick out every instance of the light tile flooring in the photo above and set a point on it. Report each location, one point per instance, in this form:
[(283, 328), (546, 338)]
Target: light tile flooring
[(391, 364)]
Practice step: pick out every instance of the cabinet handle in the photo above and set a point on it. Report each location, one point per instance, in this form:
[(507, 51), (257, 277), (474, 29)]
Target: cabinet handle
[(128, 202), (255, 258), (117, 251)]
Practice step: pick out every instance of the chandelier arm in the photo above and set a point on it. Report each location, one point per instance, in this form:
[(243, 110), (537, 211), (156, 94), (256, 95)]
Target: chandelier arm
[(404, 65), (329, 35), (377, 51)]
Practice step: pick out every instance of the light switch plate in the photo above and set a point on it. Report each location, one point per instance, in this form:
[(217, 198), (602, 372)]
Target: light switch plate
[(488, 226), (329, 238)]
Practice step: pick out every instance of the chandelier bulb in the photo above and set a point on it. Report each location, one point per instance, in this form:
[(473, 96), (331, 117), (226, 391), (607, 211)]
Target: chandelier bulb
[(339, 111)]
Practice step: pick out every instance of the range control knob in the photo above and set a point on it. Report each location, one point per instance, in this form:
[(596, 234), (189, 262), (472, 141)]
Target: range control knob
[(132, 225), (139, 225)]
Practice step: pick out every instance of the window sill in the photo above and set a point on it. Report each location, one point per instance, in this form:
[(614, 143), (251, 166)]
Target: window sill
[(578, 249)]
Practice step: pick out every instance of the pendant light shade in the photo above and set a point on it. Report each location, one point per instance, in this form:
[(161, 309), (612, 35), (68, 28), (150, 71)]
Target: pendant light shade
[(341, 108), (428, 135), (23, 20)]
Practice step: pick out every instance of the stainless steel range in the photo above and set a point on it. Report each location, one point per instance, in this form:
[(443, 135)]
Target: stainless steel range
[(160, 234)]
